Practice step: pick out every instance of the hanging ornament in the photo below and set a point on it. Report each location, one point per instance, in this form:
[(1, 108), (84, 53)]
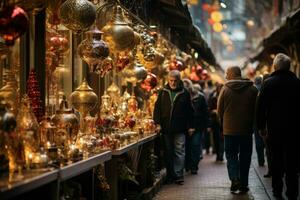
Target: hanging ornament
[(150, 82), (193, 76), (205, 75), (34, 95), (13, 23), (93, 50), (57, 43), (104, 67), (199, 70), (123, 60), (176, 65), (117, 33), (104, 13), (53, 9), (77, 15)]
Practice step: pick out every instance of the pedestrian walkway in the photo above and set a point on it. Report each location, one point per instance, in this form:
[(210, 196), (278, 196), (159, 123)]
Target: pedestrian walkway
[(212, 183)]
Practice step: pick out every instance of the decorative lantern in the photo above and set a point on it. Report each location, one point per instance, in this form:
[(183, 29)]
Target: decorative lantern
[(93, 50), (77, 15), (117, 33)]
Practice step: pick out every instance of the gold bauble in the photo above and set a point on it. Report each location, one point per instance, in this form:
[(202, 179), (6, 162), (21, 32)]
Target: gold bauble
[(117, 33), (77, 15)]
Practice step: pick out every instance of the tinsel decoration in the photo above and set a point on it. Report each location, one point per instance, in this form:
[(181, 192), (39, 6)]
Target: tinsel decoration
[(34, 95)]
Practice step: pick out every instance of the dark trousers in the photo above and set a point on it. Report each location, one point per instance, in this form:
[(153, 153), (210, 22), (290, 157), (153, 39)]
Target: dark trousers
[(268, 155), (206, 141), (238, 151), (260, 147), (218, 142), (193, 150), (285, 161)]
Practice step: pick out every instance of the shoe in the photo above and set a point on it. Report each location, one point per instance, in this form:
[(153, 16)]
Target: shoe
[(179, 181), (194, 172), (235, 185), (220, 159), (243, 189), (268, 175)]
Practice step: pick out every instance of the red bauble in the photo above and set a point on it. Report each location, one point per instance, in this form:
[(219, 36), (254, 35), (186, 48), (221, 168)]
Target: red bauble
[(130, 122), (193, 76), (176, 65), (205, 75), (122, 62), (13, 23), (58, 43), (150, 82), (199, 70)]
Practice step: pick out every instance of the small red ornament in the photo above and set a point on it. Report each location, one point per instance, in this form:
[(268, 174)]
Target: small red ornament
[(58, 43), (176, 65), (199, 70), (130, 121), (122, 62), (13, 23), (150, 82), (193, 76)]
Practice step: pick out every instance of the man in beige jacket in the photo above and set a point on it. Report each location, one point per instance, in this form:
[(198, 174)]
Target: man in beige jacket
[(236, 108)]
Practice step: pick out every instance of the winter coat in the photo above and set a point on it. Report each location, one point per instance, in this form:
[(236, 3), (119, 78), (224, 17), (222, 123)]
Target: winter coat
[(236, 107), (278, 104), (200, 118), (174, 117)]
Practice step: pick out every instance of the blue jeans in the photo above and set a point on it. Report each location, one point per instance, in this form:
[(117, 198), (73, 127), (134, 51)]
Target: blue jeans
[(174, 148), (238, 151), (193, 151)]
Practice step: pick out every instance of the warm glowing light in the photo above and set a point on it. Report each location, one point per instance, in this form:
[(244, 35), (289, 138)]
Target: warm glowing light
[(217, 27), (216, 16), (250, 23)]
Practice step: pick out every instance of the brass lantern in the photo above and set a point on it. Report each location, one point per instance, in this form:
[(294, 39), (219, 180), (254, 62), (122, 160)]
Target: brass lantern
[(117, 33)]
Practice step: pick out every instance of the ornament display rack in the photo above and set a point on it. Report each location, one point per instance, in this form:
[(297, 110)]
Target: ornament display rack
[(51, 178)]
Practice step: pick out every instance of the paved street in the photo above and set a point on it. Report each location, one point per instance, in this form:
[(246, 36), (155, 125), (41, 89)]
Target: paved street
[(212, 183)]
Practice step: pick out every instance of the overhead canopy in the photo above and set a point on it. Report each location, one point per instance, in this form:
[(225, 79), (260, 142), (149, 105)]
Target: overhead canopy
[(177, 17), (279, 39)]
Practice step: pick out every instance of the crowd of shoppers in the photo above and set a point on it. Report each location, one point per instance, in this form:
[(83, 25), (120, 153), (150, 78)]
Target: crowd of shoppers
[(226, 117)]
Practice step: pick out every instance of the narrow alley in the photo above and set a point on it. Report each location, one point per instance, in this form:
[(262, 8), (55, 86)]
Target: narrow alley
[(212, 182)]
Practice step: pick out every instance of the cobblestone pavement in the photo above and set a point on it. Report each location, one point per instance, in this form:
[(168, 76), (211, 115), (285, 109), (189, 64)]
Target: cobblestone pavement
[(212, 182)]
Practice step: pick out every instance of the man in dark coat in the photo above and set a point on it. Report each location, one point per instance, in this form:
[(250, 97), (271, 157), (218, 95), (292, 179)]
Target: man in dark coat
[(236, 110), (277, 108), (173, 112)]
